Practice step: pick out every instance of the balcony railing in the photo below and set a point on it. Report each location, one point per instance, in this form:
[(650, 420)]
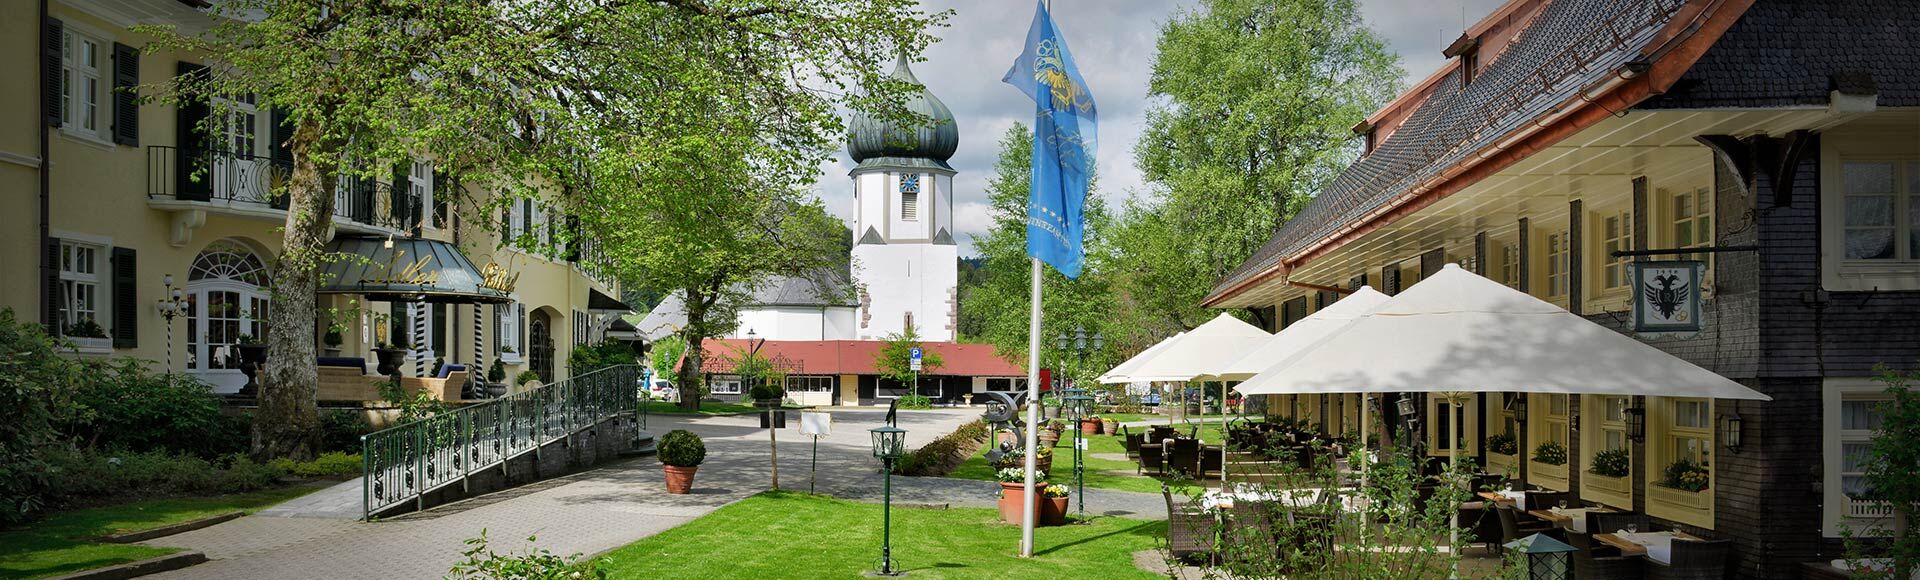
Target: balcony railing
[(207, 175)]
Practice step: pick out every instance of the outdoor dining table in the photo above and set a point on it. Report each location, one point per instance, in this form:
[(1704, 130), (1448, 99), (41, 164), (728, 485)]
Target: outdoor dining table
[(1503, 496), (1656, 546), (1574, 519)]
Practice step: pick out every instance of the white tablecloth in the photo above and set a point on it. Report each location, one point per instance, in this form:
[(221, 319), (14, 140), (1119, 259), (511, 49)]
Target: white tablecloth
[(1518, 497), (1659, 544), (1577, 517)]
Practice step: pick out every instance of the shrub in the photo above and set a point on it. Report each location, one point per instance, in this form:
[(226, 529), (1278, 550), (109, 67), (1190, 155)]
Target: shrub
[(327, 465), (1612, 463), (80, 474), (1685, 474), (682, 448), (414, 407), (36, 390), (1503, 444), (915, 402), (940, 456), (766, 390), (1550, 453), (340, 430), (539, 564), (133, 408), (497, 372), (588, 358)]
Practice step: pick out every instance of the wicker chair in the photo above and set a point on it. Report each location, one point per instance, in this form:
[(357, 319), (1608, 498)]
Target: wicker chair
[(1598, 561), (1511, 529), (1189, 528), (1610, 522), (1159, 433), (1478, 519), (1693, 560), (1539, 500), (1153, 458), (1209, 461), (1132, 441), (1185, 457)]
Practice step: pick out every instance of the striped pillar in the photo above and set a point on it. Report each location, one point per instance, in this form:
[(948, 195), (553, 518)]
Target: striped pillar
[(422, 353), (479, 359)]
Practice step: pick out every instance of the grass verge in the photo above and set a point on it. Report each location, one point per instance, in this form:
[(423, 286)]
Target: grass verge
[(797, 535), (1102, 473), (61, 544)]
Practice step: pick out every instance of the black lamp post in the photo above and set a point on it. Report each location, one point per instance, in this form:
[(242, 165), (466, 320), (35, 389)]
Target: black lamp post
[(1636, 424), (172, 306), (1544, 558), (889, 444), (1078, 407)]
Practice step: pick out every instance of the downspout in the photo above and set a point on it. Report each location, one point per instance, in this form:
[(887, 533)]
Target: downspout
[(47, 265)]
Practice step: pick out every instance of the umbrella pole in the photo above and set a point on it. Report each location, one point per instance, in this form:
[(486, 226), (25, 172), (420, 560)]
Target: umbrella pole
[(1223, 435), (1366, 431), (1453, 471)]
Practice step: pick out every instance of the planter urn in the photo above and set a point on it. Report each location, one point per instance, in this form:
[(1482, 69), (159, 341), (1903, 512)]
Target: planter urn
[(680, 479), (389, 360), (1089, 426), (253, 357), (1049, 437)]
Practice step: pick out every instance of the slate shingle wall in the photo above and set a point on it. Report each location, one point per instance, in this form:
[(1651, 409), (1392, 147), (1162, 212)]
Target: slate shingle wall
[(1784, 53)]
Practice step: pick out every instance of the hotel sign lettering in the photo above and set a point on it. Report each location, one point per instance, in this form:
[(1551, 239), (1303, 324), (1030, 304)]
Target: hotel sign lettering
[(495, 277), (415, 273), (1667, 296)]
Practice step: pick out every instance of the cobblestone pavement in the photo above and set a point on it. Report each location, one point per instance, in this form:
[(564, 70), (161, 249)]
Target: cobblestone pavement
[(593, 511)]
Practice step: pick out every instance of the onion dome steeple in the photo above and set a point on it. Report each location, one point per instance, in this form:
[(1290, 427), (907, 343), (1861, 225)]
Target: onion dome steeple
[(874, 142)]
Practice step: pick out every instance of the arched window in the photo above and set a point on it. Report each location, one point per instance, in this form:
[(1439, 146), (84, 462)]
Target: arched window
[(227, 297)]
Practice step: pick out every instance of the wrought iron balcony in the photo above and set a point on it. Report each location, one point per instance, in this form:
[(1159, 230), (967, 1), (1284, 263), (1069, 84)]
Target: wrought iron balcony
[(222, 179)]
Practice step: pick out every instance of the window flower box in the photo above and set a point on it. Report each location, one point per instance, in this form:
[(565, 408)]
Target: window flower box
[(91, 345), (1620, 485), (1694, 500)]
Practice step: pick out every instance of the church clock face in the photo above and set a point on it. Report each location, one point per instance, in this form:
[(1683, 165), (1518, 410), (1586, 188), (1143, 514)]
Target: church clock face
[(910, 183)]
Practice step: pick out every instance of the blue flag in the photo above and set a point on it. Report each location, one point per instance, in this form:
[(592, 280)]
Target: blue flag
[(1064, 132)]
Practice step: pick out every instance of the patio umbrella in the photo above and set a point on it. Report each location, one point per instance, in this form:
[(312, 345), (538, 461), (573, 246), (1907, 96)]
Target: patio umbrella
[(1203, 353), (1305, 333), (1457, 333), (1119, 373)]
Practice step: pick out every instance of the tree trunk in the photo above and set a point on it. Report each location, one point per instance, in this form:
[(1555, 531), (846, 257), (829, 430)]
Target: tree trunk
[(695, 332), (288, 421)]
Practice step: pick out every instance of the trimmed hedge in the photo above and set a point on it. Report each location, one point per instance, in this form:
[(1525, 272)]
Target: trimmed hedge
[(681, 448), (942, 455)]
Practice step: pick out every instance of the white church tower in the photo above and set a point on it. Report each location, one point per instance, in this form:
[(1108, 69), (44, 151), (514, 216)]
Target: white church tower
[(905, 262)]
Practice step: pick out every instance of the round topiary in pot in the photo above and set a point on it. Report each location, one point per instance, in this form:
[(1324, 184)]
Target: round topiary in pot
[(681, 452)]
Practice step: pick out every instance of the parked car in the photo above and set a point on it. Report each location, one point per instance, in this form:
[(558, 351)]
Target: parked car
[(662, 390)]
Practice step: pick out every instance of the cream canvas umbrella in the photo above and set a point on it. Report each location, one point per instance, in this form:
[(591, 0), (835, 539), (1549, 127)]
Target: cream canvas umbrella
[(1203, 353), (1457, 333), (1119, 373), (1304, 334)]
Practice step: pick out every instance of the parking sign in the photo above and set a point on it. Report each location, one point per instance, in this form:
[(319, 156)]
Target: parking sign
[(913, 359)]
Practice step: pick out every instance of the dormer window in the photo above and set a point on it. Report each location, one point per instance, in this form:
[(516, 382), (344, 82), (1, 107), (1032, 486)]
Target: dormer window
[(1468, 49), (910, 197)]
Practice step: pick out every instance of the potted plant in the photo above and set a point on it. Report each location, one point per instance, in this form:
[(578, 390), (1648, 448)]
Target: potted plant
[(89, 337), (1013, 492), (681, 452), (1503, 444), (390, 357), (527, 376), (497, 376), (766, 395), (1050, 407), (1053, 505), (333, 339), (1090, 426), (1109, 426), (1017, 459), (1050, 435)]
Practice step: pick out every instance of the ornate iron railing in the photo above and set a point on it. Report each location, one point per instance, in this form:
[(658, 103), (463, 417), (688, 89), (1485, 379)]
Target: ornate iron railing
[(405, 462), (208, 175)]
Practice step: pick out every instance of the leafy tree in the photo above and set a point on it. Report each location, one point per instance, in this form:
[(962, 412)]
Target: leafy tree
[(701, 102), (894, 361), (1255, 101), (1892, 474), (995, 299), (666, 355)]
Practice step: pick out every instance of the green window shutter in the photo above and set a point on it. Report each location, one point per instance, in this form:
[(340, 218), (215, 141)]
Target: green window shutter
[(399, 198), (54, 308), (440, 330), (126, 98), (53, 37), (126, 301), (190, 139)]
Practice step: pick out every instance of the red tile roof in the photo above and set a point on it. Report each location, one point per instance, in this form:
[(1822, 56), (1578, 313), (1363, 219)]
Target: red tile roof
[(855, 357)]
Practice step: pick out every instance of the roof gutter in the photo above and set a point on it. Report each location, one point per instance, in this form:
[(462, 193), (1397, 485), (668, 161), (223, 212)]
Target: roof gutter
[(1696, 28)]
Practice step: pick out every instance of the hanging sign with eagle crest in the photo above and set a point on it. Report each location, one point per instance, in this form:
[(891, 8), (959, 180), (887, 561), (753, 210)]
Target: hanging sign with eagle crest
[(1667, 296)]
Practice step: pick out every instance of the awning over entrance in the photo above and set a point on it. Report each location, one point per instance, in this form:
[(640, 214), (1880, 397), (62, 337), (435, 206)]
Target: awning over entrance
[(408, 270), (598, 301)]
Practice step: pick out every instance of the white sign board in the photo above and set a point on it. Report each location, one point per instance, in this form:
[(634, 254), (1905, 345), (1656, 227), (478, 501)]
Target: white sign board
[(913, 359), (914, 365), (816, 423), (1667, 296)]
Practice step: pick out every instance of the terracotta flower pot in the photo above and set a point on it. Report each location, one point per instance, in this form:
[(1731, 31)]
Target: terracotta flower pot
[(1013, 497), (680, 479), (1053, 511), (1089, 427), (1049, 438)]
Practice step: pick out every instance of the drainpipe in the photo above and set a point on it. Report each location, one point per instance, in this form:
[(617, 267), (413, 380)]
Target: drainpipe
[(46, 186)]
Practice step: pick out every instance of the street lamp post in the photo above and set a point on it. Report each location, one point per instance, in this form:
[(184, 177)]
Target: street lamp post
[(172, 306), (1078, 406), (889, 444)]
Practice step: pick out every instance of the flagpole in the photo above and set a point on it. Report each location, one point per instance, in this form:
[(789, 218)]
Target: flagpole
[(1033, 414)]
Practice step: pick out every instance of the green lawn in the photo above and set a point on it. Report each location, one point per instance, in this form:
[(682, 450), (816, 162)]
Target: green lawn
[(1097, 469), (59, 544), (792, 535)]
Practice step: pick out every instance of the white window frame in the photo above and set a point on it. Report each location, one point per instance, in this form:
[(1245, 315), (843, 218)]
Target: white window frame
[(1559, 251), (1664, 433), (1548, 419), (82, 273), (724, 385), (1510, 265), (809, 384), (95, 80), (509, 317), (1698, 217), (1613, 270), (1845, 145), (420, 187), (1839, 513)]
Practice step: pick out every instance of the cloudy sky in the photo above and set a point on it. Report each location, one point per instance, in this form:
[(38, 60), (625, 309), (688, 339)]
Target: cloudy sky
[(1113, 44)]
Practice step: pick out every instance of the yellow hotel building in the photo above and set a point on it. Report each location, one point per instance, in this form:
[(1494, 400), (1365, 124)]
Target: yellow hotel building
[(106, 200)]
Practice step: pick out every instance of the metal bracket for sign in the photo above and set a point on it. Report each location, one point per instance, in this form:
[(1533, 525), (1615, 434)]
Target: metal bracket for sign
[(1678, 251)]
